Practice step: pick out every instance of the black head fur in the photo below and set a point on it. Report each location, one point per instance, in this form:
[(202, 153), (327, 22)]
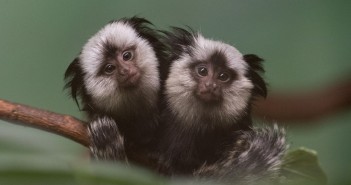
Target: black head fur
[(180, 40)]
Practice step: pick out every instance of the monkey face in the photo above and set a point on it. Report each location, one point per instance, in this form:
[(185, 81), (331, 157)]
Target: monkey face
[(212, 76), (115, 66), (209, 79), (210, 82), (121, 65)]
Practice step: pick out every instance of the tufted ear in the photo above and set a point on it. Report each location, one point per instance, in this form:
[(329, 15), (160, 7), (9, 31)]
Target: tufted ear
[(254, 74), (74, 80)]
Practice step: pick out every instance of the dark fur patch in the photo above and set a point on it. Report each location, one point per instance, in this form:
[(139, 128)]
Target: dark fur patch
[(255, 69), (218, 58), (109, 50)]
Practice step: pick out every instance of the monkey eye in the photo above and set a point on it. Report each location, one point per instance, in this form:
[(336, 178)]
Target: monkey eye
[(109, 69), (224, 77), (202, 71), (127, 55)]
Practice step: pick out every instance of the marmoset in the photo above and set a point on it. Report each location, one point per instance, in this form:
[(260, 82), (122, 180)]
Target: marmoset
[(116, 78), (206, 128)]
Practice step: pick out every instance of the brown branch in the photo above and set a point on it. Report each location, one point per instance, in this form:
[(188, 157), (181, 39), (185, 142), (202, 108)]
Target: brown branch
[(63, 125), (305, 106)]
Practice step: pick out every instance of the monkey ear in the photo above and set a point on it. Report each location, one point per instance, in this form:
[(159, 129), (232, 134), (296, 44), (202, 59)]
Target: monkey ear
[(74, 80), (254, 74)]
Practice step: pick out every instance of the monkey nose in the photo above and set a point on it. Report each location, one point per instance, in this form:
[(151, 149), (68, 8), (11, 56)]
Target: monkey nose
[(209, 95), (123, 71), (211, 86)]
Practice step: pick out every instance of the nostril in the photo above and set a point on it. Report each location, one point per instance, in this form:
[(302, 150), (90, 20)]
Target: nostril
[(214, 86), (208, 84)]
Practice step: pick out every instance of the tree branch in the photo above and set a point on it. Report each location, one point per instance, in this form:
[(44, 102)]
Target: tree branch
[(307, 106), (63, 125)]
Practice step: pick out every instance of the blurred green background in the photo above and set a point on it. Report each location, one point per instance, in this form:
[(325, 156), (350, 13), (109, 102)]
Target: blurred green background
[(306, 45)]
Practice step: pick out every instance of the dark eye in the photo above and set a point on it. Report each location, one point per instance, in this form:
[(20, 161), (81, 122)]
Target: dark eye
[(127, 55), (202, 71), (224, 77), (109, 68)]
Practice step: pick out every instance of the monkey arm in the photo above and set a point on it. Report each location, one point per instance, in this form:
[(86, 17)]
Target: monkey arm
[(107, 143)]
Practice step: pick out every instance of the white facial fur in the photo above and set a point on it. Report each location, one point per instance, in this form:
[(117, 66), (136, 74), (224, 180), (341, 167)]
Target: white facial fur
[(180, 85), (104, 91)]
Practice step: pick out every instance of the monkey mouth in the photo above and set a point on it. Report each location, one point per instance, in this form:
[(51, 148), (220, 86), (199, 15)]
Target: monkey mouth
[(129, 81), (208, 97)]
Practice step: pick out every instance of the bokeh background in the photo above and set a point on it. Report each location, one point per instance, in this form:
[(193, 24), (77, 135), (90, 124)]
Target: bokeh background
[(306, 45)]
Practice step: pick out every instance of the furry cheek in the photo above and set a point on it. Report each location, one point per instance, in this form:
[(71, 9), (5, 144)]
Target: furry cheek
[(100, 88), (237, 96)]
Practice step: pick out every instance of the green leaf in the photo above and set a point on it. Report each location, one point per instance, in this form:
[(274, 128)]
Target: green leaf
[(301, 166), (41, 169)]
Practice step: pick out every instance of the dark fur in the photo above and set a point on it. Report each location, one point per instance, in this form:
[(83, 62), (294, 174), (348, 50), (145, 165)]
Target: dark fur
[(185, 150), (136, 121)]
